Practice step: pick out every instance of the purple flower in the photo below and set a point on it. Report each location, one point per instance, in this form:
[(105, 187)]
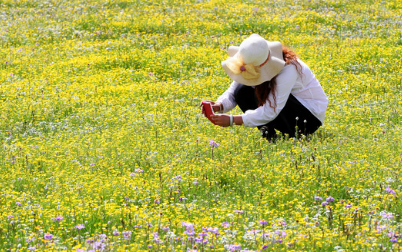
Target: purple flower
[(254, 231), (139, 170), (59, 218), (127, 235), (263, 222), (178, 178), (330, 199), (80, 226), (213, 144), (18, 204), (32, 248), (389, 190), (234, 247), (297, 26), (266, 235), (280, 233), (317, 198), (348, 205), (282, 223), (188, 225), (264, 247), (195, 183), (324, 203), (202, 234), (165, 228), (393, 239), (238, 211), (380, 228), (116, 233), (198, 239), (388, 216), (208, 229), (189, 232), (225, 224), (98, 245), (48, 236), (213, 230)]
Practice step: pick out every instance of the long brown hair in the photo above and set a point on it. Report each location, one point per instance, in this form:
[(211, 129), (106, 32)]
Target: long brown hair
[(262, 91)]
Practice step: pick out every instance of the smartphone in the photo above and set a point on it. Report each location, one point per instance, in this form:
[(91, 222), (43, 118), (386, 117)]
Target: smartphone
[(208, 110)]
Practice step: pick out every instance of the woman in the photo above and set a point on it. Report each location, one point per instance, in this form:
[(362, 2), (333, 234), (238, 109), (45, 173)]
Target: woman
[(274, 89)]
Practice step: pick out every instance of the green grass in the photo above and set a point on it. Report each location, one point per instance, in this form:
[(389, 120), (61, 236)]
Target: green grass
[(100, 124)]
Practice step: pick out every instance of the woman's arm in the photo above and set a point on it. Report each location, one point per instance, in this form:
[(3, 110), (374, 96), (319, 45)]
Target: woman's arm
[(227, 98), (264, 114), (224, 120)]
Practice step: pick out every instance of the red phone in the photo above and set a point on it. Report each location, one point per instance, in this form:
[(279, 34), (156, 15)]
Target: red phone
[(208, 110)]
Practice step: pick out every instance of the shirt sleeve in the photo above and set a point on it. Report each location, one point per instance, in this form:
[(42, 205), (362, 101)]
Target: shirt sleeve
[(285, 81), (227, 98)]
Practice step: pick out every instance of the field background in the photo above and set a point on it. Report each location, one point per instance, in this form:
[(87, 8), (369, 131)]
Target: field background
[(103, 145)]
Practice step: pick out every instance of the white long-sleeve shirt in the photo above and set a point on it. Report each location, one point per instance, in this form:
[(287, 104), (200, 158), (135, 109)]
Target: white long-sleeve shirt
[(305, 88)]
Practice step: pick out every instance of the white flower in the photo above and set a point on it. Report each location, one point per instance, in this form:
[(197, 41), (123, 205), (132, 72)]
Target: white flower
[(338, 248)]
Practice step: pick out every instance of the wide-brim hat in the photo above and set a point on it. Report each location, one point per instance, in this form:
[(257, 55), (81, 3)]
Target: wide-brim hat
[(255, 61)]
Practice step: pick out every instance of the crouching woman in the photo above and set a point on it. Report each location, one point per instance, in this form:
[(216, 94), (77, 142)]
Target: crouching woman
[(275, 90)]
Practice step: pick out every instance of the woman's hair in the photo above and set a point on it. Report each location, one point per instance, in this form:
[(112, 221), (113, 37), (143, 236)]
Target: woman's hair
[(262, 91)]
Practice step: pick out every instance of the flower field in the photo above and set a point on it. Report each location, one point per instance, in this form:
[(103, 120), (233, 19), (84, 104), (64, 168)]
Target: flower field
[(104, 147)]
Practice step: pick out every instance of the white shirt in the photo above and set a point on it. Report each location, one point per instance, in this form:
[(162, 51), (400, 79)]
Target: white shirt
[(305, 88)]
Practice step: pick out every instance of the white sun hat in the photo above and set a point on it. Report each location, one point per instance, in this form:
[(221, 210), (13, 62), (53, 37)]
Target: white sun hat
[(255, 61)]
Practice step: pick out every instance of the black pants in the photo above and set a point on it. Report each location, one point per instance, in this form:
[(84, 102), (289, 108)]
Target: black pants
[(293, 120)]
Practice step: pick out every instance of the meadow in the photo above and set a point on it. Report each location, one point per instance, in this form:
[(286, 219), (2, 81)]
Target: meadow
[(104, 147)]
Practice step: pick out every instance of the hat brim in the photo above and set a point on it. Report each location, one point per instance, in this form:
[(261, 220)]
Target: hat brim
[(270, 69)]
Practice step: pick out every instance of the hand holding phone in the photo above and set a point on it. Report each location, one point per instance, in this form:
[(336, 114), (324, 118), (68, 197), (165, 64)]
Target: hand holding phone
[(208, 110)]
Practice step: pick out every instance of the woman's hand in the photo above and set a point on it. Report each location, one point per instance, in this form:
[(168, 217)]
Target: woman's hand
[(217, 107), (221, 120)]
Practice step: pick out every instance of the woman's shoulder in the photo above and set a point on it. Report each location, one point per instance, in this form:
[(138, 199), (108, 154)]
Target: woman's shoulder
[(293, 70), (303, 64), (288, 72)]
